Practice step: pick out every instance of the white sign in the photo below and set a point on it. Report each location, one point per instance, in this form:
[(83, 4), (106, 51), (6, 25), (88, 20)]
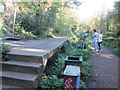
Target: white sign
[(1, 8)]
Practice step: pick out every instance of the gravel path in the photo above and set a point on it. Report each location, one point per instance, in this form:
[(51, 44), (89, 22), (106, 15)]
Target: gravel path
[(105, 70)]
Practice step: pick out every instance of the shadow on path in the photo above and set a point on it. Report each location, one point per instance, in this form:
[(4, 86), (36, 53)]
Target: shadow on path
[(105, 70)]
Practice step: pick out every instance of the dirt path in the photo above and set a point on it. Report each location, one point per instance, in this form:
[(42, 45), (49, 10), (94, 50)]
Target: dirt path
[(105, 70)]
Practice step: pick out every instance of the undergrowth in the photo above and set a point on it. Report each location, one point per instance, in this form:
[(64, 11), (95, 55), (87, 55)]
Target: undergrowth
[(4, 48), (53, 78)]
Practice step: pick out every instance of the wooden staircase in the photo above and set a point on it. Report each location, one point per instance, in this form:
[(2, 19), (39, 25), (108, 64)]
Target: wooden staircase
[(24, 70), (22, 73)]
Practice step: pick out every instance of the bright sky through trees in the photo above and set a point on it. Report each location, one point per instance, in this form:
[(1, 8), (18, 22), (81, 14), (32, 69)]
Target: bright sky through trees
[(90, 7)]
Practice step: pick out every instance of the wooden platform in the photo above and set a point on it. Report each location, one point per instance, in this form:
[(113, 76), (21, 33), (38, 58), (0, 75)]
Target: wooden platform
[(28, 59), (34, 49)]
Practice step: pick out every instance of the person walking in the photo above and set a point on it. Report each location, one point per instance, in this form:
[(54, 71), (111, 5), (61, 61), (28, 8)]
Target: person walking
[(95, 41), (100, 41)]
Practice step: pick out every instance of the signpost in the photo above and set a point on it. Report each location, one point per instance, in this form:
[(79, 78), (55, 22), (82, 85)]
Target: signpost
[(14, 18)]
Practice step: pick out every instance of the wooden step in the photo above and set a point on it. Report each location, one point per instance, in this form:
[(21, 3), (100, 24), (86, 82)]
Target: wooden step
[(26, 58), (23, 67), (4, 87), (19, 79)]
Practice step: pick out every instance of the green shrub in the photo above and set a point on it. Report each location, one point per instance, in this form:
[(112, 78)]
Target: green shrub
[(86, 70), (4, 48), (116, 51), (82, 85), (55, 67), (5, 57), (51, 81), (113, 45), (73, 49), (111, 41), (80, 52), (3, 32), (23, 34)]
